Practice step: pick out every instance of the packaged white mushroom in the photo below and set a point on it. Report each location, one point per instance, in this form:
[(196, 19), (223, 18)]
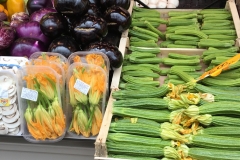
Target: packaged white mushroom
[(9, 110), (12, 63)]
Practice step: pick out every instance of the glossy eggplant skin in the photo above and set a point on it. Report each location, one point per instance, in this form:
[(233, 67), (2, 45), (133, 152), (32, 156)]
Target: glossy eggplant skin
[(31, 29), (93, 10), (53, 25), (109, 3), (118, 18), (64, 45), (26, 46), (90, 29), (114, 55), (37, 16), (69, 7), (96, 2), (35, 5)]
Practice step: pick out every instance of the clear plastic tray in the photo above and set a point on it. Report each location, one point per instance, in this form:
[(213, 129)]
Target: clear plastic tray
[(80, 99), (64, 60), (35, 71), (83, 54), (10, 121), (58, 69)]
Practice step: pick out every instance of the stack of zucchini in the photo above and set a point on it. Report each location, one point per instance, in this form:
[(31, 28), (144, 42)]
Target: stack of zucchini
[(182, 30), (198, 130), (144, 30)]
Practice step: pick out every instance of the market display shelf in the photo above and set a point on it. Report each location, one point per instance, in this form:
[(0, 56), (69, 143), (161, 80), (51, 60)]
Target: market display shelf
[(100, 143)]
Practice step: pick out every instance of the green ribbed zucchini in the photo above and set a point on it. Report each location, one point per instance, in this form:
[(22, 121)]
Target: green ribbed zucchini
[(128, 94), (138, 140), (156, 115), (147, 103), (231, 131), (130, 157), (134, 150), (135, 128), (225, 121)]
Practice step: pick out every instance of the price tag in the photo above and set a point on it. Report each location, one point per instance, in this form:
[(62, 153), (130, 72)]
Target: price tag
[(221, 67), (4, 101), (81, 86), (29, 94)]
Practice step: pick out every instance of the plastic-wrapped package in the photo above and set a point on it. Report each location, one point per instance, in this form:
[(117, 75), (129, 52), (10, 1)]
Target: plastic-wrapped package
[(86, 99), (9, 106), (42, 114), (9, 109)]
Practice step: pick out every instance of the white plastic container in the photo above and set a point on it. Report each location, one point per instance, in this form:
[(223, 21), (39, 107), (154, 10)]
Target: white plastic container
[(10, 122)]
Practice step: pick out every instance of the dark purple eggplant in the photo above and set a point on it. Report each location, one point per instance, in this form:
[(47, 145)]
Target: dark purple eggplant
[(32, 29), (3, 16), (7, 36), (53, 25), (90, 29), (64, 45), (35, 5), (118, 18), (114, 55), (109, 3), (26, 47), (93, 10), (37, 15), (70, 7), (96, 2)]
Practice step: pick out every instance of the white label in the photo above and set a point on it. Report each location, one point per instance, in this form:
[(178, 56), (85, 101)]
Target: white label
[(3, 93), (81, 86), (4, 101), (29, 94)]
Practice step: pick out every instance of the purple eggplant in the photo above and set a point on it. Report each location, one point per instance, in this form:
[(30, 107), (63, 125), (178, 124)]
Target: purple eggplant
[(64, 45), (7, 36), (35, 5), (90, 29), (53, 25), (114, 55), (118, 18), (93, 10), (32, 30), (26, 46), (37, 15), (70, 7), (109, 3), (18, 18), (96, 2)]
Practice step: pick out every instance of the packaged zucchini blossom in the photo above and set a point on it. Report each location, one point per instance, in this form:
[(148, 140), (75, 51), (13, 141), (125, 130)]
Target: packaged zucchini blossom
[(87, 105), (44, 117)]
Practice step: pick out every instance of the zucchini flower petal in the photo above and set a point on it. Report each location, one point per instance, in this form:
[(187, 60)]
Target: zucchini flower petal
[(60, 118), (82, 123), (73, 101)]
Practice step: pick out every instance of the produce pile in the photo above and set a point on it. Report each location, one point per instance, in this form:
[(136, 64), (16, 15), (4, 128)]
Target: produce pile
[(186, 29), (62, 27), (184, 121), (182, 118)]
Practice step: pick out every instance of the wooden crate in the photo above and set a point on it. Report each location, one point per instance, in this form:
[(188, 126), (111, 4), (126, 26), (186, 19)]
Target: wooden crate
[(100, 143)]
